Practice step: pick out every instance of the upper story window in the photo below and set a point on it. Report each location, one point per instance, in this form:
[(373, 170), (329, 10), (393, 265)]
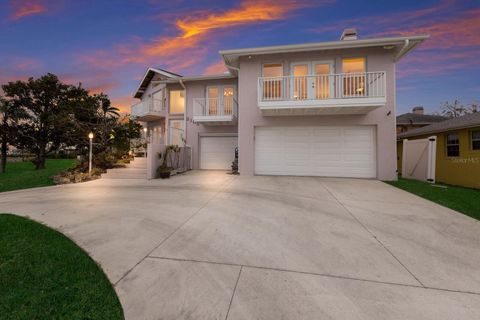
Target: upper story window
[(273, 70), (273, 87), (177, 101), (354, 76), (452, 144), (475, 138), (220, 100)]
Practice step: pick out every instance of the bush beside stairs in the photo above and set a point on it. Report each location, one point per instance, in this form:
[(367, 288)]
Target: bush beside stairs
[(136, 169)]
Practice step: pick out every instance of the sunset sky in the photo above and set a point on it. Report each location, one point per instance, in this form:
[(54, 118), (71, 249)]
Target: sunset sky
[(107, 45)]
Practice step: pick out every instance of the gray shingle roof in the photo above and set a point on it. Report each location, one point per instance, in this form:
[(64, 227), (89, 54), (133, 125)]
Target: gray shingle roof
[(414, 118), (466, 121)]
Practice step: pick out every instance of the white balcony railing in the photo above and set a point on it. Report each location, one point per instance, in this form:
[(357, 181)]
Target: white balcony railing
[(322, 87), (148, 107), (211, 108)]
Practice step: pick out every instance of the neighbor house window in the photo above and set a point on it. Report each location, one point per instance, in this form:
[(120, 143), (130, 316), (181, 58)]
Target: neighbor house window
[(176, 132), (273, 83), (453, 145), (354, 76), (476, 140), (177, 101)]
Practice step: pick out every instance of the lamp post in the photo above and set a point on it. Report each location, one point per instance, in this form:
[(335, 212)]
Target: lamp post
[(90, 136)]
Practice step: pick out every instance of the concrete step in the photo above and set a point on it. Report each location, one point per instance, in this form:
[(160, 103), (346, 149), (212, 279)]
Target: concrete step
[(136, 165), (128, 170), (124, 176)]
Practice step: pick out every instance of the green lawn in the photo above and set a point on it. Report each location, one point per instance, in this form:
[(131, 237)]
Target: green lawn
[(22, 175), (464, 200), (45, 275)]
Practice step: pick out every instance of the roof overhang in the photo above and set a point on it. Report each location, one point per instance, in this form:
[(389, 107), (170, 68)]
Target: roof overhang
[(403, 45), (149, 74), (202, 78)]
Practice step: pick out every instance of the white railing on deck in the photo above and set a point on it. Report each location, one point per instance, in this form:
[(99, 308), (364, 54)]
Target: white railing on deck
[(212, 107), (148, 106), (322, 87)]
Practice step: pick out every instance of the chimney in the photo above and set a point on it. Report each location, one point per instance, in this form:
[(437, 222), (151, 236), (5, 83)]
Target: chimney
[(417, 110), (349, 34)]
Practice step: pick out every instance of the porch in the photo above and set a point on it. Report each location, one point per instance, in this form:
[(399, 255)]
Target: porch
[(343, 93)]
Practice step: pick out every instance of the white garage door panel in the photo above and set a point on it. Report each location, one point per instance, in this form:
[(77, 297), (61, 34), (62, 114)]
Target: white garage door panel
[(316, 151), (217, 152)]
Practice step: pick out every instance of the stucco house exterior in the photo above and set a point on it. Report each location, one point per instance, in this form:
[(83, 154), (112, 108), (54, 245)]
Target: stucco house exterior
[(314, 109), (457, 159)]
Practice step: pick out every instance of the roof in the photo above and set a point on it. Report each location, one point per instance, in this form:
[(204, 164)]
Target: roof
[(466, 121), (203, 77), (415, 118), (173, 77), (403, 45), (149, 74)]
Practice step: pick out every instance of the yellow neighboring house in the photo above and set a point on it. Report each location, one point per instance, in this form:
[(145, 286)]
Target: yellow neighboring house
[(458, 149)]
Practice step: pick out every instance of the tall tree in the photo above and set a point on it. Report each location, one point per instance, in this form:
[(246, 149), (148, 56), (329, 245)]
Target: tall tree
[(10, 117), (46, 101), (453, 110), (107, 120)]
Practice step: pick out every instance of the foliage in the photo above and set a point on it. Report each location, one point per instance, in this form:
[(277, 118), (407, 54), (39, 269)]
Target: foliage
[(464, 200), (9, 123), (46, 102), (457, 109), (22, 175), (45, 275), (169, 158), (123, 134), (104, 160), (50, 117)]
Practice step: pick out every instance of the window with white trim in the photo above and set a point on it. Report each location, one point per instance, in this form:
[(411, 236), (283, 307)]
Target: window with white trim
[(475, 139), (452, 144)]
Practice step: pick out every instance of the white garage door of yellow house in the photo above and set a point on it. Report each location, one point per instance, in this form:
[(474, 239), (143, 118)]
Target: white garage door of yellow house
[(217, 152), (328, 151)]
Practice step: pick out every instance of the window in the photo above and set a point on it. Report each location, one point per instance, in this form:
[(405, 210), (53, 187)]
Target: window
[(453, 145), (475, 138), (272, 86), (177, 101), (354, 83), (220, 100), (176, 132), (228, 100)]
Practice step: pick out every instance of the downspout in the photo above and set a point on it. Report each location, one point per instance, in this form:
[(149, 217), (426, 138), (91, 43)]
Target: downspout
[(403, 51), (185, 116)]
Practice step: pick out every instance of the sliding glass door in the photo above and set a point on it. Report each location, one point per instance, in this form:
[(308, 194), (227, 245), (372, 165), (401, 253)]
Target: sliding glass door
[(311, 80)]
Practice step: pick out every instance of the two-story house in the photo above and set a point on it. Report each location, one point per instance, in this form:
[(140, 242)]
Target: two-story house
[(314, 109)]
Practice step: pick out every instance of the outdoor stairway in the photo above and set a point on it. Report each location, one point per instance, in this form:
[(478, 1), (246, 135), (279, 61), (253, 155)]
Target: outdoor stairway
[(136, 169)]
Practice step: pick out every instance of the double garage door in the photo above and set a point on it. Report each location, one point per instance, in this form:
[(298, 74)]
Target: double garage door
[(217, 152), (347, 151)]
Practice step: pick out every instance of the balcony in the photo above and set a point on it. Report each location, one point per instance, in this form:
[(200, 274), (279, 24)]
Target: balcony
[(344, 93), (149, 110), (215, 111)]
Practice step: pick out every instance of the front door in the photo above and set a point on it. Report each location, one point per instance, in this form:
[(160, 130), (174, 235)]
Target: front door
[(311, 80)]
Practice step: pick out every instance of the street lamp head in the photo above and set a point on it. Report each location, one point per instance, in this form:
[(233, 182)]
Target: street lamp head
[(145, 129), (90, 135)]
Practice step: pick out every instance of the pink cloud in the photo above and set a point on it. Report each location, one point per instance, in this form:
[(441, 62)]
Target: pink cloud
[(215, 68), (24, 8)]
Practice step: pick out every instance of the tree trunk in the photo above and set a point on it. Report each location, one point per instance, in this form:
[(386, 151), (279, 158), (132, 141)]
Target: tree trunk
[(3, 164), (40, 161)]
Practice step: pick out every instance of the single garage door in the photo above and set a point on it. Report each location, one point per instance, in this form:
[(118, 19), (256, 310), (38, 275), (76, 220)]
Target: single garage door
[(217, 152), (316, 151)]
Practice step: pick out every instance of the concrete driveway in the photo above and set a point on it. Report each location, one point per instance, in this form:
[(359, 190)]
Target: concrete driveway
[(207, 245)]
